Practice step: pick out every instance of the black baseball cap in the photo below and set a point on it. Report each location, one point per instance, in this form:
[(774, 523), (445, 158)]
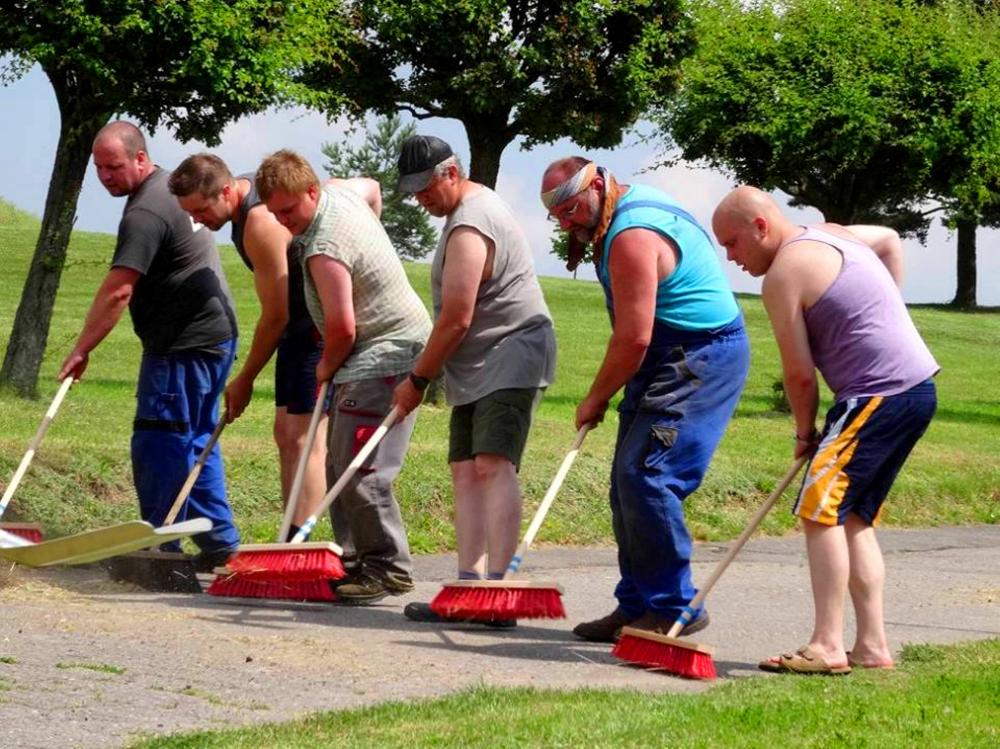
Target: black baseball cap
[(417, 159)]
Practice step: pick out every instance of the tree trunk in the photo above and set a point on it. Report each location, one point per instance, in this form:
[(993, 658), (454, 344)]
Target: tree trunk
[(486, 147), (965, 292), (30, 333)]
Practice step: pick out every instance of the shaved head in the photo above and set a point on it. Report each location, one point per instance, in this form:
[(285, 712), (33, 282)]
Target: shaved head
[(561, 170), (751, 226), (125, 133)]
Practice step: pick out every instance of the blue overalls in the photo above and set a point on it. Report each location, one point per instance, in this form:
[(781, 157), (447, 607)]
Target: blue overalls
[(675, 408)]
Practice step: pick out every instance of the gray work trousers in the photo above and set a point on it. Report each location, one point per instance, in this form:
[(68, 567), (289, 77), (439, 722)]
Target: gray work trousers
[(366, 519)]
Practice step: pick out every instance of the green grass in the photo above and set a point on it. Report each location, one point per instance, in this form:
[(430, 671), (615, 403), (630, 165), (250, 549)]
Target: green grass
[(104, 668), (81, 475), (7, 659), (938, 697)]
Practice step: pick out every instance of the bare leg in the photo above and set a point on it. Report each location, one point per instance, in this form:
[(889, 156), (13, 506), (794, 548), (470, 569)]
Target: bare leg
[(866, 585), (501, 495), (470, 519), (290, 435), (829, 566)]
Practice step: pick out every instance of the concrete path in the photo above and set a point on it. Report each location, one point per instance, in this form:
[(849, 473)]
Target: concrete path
[(85, 662)]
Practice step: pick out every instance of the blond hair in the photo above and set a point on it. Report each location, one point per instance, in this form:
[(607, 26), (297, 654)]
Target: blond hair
[(284, 171)]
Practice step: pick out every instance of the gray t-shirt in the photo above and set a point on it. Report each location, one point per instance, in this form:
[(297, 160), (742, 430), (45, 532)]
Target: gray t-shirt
[(182, 300), (510, 342)]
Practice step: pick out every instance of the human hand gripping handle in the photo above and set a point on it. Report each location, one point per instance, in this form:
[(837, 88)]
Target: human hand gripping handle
[(689, 611), (550, 495), (347, 475), (22, 468)]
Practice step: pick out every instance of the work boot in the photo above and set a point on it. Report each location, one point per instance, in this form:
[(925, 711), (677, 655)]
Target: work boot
[(605, 629), (651, 622), (361, 590), (422, 612), (367, 587), (207, 561)]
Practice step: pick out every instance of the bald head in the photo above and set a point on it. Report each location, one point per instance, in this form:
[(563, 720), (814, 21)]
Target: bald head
[(751, 226), (125, 133), (120, 158)]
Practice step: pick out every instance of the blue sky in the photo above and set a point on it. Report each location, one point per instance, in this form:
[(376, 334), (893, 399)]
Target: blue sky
[(29, 130)]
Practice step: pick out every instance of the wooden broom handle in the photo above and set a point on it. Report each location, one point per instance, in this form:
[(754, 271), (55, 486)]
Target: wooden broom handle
[(195, 472), (300, 469), (550, 495), (50, 414), (735, 547), (347, 475)]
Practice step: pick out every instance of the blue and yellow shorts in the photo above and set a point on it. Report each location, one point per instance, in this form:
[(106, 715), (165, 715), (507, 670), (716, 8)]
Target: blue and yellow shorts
[(864, 443)]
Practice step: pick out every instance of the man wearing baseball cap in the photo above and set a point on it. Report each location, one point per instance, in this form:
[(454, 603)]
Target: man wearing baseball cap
[(494, 340)]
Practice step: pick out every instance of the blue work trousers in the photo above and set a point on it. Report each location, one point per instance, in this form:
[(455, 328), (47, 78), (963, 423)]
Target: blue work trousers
[(176, 413), (673, 414)]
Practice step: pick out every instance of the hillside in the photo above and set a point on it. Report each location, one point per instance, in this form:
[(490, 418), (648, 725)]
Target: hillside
[(80, 477)]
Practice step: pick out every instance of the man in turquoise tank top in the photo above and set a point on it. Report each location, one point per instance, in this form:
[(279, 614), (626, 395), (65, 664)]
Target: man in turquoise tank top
[(833, 298), (679, 348)]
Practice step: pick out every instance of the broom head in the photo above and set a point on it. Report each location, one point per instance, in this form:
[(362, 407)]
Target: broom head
[(287, 562), (28, 531), (653, 650), (236, 586), (483, 600)]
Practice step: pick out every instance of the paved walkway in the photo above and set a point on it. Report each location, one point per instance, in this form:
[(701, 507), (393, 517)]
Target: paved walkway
[(90, 663)]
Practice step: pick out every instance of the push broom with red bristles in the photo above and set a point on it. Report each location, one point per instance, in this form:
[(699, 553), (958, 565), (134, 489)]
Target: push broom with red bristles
[(295, 570), (486, 600), (682, 657), (32, 531), (279, 570)]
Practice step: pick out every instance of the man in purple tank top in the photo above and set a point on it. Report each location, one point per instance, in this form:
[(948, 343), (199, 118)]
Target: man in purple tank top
[(832, 294)]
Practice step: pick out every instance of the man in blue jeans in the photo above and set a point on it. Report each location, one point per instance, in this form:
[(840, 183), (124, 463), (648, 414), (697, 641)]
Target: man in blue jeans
[(166, 270), (679, 349)]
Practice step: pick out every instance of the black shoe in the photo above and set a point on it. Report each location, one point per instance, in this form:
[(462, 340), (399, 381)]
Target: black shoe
[(422, 612), (651, 622), (606, 629), (207, 561), (362, 590)]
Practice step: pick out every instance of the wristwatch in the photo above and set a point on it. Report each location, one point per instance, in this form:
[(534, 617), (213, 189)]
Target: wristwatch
[(420, 383)]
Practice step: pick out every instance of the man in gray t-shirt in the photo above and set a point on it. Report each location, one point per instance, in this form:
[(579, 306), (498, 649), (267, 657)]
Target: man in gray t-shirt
[(493, 338), (166, 270)]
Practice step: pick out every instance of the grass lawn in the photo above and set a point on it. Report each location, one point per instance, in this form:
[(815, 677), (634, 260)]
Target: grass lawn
[(80, 476), (938, 697)]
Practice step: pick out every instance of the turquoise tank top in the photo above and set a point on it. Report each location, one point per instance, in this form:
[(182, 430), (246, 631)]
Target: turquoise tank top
[(696, 296)]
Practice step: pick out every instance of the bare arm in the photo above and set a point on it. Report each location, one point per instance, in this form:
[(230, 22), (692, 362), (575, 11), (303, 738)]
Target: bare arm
[(634, 277), (334, 287), (783, 301), (369, 190), (110, 301), (467, 256), (266, 244), (887, 246)]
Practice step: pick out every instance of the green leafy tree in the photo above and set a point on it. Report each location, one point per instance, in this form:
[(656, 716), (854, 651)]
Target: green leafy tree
[(191, 65), (537, 69), (854, 107), (405, 222)]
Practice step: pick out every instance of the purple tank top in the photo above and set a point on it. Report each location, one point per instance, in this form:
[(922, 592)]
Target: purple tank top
[(862, 338)]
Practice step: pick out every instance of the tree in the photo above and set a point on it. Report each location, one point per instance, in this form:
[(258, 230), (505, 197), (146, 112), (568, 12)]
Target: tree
[(192, 65), (541, 69), (851, 107), (405, 222)]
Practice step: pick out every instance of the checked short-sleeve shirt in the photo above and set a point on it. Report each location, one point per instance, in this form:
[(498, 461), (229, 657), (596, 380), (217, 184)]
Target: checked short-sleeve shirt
[(391, 322)]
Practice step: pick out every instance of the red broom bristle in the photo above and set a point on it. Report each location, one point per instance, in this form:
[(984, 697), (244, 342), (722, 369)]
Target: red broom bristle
[(29, 534), (287, 565), (236, 586), (470, 602), (691, 664)]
